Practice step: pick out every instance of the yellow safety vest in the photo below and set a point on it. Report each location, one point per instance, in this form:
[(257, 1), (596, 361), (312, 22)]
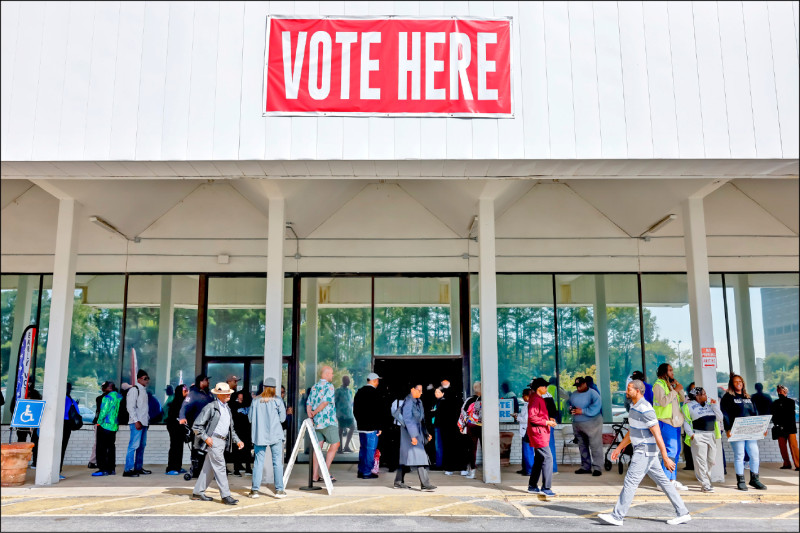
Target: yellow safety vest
[(687, 416), (665, 411)]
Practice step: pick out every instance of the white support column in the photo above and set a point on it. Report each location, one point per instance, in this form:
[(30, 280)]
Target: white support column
[(22, 319), (601, 345), (58, 339), (694, 230), (490, 393), (166, 321), (744, 329), (311, 332), (273, 347)]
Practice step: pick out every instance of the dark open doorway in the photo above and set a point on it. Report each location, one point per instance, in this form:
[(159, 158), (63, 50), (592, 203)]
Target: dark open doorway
[(399, 374)]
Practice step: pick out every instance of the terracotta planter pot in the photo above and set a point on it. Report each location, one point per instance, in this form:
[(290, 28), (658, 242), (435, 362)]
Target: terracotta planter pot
[(14, 463)]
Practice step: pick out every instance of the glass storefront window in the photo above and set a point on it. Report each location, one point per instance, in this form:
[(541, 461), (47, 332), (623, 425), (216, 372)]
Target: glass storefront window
[(96, 329), (44, 324), (718, 321), (667, 328), (416, 316), (335, 330), (19, 300), (525, 340), (765, 327), (161, 326), (236, 316)]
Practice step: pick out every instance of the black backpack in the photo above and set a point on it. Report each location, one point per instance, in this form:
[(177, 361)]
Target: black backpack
[(122, 416)]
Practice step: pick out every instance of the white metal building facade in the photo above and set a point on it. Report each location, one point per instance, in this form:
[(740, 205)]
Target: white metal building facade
[(148, 115)]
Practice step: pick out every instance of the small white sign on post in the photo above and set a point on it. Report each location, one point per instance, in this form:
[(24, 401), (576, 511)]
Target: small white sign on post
[(308, 427), (506, 410), (749, 428)]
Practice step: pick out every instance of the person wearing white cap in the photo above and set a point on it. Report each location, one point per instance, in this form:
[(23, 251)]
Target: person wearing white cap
[(266, 414), (367, 411), (214, 429)]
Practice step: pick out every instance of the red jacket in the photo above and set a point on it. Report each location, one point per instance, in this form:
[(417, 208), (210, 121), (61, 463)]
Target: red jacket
[(538, 430)]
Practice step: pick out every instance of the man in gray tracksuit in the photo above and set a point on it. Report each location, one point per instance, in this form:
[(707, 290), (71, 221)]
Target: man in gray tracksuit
[(213, 428)]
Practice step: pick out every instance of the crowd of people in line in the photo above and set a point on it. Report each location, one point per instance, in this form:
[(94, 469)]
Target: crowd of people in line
[(435, 428)]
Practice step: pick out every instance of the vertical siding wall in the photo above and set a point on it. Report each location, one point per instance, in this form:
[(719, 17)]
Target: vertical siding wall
[(183, 80)]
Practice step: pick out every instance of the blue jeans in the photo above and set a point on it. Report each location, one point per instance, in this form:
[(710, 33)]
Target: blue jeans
[(134, 460), (439, 447), (672, 441), (527, 457), (739, 447), (277, 465), (553, 449), (366, 454)]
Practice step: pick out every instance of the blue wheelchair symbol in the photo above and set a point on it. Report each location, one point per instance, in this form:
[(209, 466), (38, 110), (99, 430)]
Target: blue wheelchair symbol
[(28, 414)]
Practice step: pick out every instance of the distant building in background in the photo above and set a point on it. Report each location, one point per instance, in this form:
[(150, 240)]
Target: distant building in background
[(781, 319)]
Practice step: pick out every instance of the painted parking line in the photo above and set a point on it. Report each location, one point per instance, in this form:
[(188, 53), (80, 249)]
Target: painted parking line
[(788, 514), (76, 506), (309, 511), (142, 508), (444, 506), (235, 507)]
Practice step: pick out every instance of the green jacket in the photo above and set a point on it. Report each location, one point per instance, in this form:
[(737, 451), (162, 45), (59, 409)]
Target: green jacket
[(109, 409)]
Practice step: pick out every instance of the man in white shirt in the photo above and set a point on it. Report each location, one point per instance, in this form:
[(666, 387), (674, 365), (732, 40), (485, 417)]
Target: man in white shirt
[(138, 420)]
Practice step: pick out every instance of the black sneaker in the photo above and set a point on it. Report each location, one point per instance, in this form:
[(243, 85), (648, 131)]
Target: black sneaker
[(94, 465), (144, 472), (428, 488), (130, 473), (596, 473), (398, 485), (201, 497), (237, 473), (582, 471)]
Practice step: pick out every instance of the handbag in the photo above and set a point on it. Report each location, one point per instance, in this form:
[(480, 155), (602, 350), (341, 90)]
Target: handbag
[(376, 468), (462, 419), (75, 420)]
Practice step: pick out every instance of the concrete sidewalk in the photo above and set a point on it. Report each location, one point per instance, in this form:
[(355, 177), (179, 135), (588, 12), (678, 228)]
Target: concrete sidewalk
[(782, 486)]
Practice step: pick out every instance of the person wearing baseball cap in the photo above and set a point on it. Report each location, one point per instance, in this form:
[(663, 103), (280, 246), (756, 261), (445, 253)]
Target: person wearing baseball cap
[(367, 412), (214, 429), (701, 423), (539, 424), (587, 423)]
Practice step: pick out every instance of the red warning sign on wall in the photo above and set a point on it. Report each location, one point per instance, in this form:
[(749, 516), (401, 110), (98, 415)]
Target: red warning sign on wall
[(388, 66), (709, 357)]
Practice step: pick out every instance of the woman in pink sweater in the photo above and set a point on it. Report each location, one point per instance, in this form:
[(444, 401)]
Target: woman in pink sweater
[(539, 424)]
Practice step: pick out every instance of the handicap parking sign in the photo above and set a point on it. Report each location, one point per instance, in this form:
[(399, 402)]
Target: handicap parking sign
[(27, 414)]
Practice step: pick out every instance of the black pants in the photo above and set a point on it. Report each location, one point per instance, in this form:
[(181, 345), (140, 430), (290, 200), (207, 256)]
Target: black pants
[(64, 441), (389, 444), (106, 450), (242, 456), (422, 472), (687, 455), (475, 434), (22, 436), (176, 442)]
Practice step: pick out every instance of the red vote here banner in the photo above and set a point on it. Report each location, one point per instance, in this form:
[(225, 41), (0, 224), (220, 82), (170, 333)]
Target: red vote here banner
[(388, 66)]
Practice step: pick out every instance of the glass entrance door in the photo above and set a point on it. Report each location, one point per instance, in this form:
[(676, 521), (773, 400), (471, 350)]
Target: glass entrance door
[(250, 372)]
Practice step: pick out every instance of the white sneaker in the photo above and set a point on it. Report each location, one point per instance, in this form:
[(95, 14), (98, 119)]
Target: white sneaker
[(608, 519), (707, 489), (448, 473), (253, 494), (471, 474), (679, 519), (679, 485), (465, 472)]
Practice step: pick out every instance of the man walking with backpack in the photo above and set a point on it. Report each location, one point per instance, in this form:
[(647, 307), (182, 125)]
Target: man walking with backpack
[(137, 405)]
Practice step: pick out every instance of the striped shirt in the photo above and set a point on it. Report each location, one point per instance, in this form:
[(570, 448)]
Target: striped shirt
[(642, 417)]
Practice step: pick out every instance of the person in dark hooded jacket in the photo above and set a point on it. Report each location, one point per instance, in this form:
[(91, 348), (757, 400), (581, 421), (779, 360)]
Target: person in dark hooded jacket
[(198, 397)]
